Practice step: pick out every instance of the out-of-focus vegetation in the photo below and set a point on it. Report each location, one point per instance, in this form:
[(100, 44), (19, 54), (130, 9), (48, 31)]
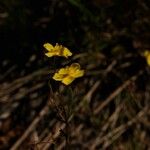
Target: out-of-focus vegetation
[(108, 108)]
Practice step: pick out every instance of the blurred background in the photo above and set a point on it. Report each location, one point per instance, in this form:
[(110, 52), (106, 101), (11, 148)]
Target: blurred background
[(108, 108)]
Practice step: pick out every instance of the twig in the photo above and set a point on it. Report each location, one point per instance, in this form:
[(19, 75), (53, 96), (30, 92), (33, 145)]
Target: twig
[(114, 134), (88, 96), (8, 72), (111, 119), (116, 92), (32, 126), (5, 90)]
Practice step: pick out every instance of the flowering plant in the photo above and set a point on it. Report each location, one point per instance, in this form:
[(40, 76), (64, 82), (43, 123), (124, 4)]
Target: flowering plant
[(57, 50), (67, 74), (147, 56)]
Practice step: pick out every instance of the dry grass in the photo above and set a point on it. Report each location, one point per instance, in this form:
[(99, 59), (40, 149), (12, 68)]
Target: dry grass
[(81, 116)]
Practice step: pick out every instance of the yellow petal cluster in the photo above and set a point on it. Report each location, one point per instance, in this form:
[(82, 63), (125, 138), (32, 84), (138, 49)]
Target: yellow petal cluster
[(68, 74), (147, 56), (57, 50)]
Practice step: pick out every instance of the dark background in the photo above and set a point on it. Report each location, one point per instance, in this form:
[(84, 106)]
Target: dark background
[(26, 25)]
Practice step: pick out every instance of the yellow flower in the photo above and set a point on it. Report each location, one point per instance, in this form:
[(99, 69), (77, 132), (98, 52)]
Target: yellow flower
[(57, 50), (147, 56), (68, 74)]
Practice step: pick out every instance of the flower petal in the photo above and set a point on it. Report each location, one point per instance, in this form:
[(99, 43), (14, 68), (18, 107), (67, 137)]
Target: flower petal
[(75, 66), (49, 54), (78, 73), (147, 56), (63, 71), (48, 47), (67, 80), (66, 52), (58, 77), (148, 59)]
